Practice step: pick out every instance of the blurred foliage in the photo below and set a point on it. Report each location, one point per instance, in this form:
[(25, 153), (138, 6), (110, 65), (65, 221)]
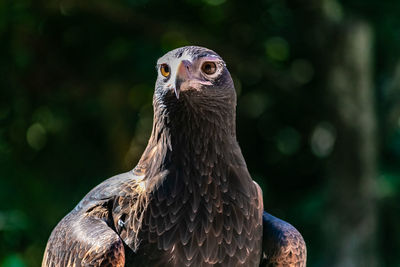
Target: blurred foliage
[(76, 85)]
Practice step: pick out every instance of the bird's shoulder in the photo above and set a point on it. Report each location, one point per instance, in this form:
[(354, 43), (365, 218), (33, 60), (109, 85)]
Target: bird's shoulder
[(126, 184), (283, 245), (88, 234)]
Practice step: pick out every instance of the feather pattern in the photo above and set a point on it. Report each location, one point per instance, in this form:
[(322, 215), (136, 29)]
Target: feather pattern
[(190, 200), (283, 245)]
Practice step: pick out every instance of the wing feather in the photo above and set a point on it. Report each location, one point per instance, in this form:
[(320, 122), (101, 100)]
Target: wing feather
[(283, 245), (83, 241), (87, 235)]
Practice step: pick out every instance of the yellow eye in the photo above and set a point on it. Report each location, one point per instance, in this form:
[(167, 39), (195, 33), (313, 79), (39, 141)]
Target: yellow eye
[(165, 71), (209, 67)]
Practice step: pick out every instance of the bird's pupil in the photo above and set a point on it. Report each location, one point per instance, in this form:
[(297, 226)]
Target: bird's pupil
[(166, 69), (208, 68)]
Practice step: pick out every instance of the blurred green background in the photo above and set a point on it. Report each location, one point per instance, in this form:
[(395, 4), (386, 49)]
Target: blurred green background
[(318, 117)]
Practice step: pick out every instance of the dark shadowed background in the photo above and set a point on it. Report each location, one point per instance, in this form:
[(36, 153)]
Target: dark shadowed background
[(318, 117)]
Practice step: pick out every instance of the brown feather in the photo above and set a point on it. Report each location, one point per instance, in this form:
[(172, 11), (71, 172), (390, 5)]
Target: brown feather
[(190, 201), (283, 245)]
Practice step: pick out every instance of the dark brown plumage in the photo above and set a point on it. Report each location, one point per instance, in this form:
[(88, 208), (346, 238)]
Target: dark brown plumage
[(190, 201), (282, 245)]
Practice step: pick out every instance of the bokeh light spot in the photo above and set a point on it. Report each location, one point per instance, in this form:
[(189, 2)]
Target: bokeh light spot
[(277, 49), (13, 260), (46, 118), (36, 136), (387, 185), (323, 139), (332, 9)]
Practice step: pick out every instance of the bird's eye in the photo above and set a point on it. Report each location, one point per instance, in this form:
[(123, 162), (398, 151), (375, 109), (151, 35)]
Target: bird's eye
[(165, 71), (209, 67)]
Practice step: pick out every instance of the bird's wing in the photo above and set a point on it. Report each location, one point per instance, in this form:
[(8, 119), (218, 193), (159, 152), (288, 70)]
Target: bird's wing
[(283, 245), (80, 240), (119, 185), (87, 235)]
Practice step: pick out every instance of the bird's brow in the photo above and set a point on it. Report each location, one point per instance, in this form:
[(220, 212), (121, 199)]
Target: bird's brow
[(207, 55)]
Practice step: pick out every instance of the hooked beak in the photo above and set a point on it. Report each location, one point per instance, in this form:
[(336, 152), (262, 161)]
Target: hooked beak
[(176, 90), (182, 75)]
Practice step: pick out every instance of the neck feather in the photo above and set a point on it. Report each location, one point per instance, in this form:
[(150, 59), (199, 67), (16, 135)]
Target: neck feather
[(197, 139)]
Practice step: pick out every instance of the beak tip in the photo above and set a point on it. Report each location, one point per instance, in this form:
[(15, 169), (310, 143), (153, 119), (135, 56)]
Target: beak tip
[(176, 93)]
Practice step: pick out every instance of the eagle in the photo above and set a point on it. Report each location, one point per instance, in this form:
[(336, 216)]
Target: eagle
[(190, 201)]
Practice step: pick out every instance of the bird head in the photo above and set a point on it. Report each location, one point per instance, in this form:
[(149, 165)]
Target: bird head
[(193, 73)]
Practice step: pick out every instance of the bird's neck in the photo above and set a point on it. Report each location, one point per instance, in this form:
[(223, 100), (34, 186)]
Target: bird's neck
[(198, 142)]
